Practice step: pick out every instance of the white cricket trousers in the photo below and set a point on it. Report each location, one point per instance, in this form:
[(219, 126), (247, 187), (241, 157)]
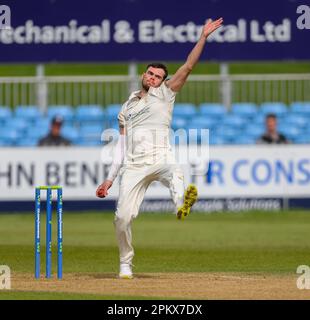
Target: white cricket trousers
[(133, 185)]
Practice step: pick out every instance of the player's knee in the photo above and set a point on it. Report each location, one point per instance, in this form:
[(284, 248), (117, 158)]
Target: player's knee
[(121, 221)]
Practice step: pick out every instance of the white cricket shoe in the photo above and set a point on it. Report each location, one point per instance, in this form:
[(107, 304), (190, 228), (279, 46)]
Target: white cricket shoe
[(125, 271)]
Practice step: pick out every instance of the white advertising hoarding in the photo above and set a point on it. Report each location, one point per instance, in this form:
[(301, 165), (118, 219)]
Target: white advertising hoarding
[(233, 171)]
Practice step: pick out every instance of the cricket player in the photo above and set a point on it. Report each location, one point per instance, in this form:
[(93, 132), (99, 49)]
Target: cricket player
[(143, 152)]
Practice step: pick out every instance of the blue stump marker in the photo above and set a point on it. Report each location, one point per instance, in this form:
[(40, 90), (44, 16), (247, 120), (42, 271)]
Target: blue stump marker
[(49, 190), (48, 233), (37, 233), (59, 233)]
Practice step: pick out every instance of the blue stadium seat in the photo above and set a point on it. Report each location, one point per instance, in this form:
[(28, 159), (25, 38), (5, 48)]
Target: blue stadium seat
[(234, 120), (259, 119), (17, 124), (212, 110), (290, 132), (89, 113), (43, 122), (295, 120), (27, 142), (9, 136), (302, 139), (178, 123), (244, 109), (216, 140), (242, 139), (301, 108), (5, 142), (66, 112), (228, 133), (88, 143), (202, 122), (277, 108), (5, 114), (113, 124), (90, 133), (36, 132), (30, 113), (254, 131), (70, 133), (112, 111), (184, 110)]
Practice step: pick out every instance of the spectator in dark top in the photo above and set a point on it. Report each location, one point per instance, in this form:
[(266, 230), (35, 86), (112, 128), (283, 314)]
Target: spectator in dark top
[(54, 137), (272, 136)]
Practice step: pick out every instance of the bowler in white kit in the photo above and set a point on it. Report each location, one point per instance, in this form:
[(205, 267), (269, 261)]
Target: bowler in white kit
[(143, 153)]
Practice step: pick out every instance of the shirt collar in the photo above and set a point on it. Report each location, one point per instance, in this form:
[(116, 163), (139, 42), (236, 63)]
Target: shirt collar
[(134, 94)]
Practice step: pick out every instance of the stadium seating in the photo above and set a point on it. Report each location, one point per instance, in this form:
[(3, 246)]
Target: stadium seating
[(253, 131), (248, 110), (27, 142), (290, 132), (112, 111), (178, 123), (300, 108), (30, 113), (184, 110), (259, 119), (5, 113), (216, 140), (18, 124), (90, 134), (83, 125), (234, 121), (239, 139), (9, 136), (296, 120), (36, 132), (303, 139), (227, 133), (42, 122), (276, 108), (214, 110), (91, 114), (71, 133), (66, 112)]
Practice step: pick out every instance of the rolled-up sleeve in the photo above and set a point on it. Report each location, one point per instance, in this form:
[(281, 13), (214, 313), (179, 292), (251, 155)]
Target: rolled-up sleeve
[(121, 117)]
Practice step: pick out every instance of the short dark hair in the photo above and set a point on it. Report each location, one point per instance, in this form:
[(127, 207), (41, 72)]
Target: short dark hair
[(271, 116), (159, 66)]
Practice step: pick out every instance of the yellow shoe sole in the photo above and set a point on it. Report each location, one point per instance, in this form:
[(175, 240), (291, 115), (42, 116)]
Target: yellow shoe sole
[(125, 277), (190, 197)]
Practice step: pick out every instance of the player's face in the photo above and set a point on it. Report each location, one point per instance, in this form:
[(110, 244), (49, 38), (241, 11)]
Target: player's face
[(56, 130), (153, 77), (271, 125)]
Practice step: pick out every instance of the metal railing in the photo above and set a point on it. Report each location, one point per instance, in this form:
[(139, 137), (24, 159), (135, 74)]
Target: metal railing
[(104, 90)]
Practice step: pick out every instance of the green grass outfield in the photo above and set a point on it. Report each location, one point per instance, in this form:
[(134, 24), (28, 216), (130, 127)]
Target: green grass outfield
[(258, 242)]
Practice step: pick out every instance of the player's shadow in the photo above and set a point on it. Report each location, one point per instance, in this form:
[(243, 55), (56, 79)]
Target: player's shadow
[(103, 275), (115, 276)]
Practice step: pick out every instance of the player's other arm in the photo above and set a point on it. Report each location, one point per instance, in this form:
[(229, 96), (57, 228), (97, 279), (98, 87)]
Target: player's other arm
[(118, 158), (178, 79)]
